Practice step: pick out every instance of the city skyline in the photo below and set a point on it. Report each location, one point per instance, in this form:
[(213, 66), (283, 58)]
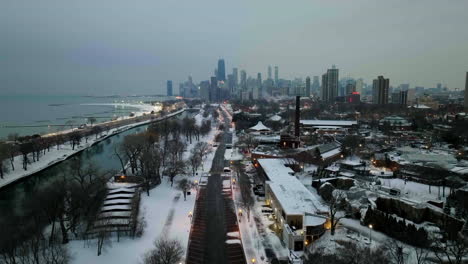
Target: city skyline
[(54, 47)]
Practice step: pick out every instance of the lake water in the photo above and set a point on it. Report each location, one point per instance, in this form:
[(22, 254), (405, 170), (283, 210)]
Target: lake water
[(39, 114)]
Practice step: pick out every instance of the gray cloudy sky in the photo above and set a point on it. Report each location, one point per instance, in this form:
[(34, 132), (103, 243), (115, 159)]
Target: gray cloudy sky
[(132, 47)]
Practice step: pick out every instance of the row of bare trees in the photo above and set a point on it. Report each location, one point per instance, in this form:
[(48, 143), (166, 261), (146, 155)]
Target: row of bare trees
[(51, 214), (32, 148)]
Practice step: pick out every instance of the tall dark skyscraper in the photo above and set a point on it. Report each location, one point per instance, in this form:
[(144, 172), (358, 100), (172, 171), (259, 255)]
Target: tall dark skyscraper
[(235, 74), (380, 90), (169, 88), (466, 91), (330, 85), (308, 86), (243, 80), (259, 85), (269, 72), (221, 73), (214, 93), (276, 76)]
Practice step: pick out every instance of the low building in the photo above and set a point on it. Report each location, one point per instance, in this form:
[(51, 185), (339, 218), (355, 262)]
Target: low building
[(315, 124), (395, 123), (299, 218)]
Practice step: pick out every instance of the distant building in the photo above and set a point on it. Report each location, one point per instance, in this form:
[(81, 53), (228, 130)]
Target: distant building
[(276, 76), (169, 88), (243, 80), (353, 98), (350, 88), (259, 85), (395, 123), (330, 85), (205, 90), (221, 73), (315, 85), (380, 90), (400, 97), (466, 91), (269, 72), (307, 86), (359, 86), (235, 74), (214, 89)]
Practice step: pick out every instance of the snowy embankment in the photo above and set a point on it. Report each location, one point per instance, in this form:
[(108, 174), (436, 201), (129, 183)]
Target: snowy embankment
[(166, 215), (65, 151)]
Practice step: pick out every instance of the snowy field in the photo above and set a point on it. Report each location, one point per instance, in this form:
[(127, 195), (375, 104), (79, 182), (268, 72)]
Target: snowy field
[(416, 191)]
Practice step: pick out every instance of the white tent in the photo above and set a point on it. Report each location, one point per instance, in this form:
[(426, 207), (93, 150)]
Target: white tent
[(259, 127)]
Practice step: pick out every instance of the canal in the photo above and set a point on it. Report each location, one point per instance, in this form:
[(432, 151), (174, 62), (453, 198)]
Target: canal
[(101, 154)]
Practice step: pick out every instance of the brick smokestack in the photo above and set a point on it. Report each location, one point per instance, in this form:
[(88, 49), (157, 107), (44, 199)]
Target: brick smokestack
[(298, 116)]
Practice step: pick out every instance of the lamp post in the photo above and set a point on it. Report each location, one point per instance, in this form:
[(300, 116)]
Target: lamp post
[(370, 233)]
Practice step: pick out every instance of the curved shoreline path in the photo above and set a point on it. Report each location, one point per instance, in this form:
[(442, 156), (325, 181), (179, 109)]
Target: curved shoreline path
[(54, 156)]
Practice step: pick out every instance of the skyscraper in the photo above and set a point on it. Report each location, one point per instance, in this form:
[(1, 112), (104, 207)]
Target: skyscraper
[(308, 86), (324, 93), (243, 80), (276, 76), (380, 90), (466, 91), (315, 85), (221, 74), (235, 73), (259, 85), (205, 90), (269, 72), (359, 85), (169, 88), (213, 89), (330, 85)]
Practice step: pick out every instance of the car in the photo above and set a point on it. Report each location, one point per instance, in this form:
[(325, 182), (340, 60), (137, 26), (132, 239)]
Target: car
[(226, 169)]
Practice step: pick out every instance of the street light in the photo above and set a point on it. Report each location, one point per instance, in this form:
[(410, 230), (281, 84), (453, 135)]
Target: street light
[(370, 233), (253, 260)]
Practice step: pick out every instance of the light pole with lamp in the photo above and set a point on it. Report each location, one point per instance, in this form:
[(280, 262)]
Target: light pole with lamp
[(370, 233)]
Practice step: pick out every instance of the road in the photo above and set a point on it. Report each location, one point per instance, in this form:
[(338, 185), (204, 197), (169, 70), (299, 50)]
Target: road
[(215, 215)]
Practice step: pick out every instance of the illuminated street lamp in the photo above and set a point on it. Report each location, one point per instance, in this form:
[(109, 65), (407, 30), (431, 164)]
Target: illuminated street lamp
[(370, 233), (253, 260)]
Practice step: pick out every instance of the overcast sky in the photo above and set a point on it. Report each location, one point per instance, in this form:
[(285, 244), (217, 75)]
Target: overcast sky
[(132, 47)]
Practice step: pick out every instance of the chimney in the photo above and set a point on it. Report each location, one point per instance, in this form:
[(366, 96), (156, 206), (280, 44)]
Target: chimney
[(298, 116)]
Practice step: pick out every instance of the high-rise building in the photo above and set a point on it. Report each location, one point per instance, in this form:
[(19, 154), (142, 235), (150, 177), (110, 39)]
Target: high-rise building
[(466, 91), (221, 74), (235, 73), (380, 90), (350, 88), (276, 76), (269, 72), (307, 86), (169, 88), (205, 90), (324, 93), (259, 85), (330, 85), (400, 97), (214, 89), (243, 80), (315, 85), (359, 86)]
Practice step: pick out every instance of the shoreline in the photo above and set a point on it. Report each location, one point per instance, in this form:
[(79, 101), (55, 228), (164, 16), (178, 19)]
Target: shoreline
[(4, 183)]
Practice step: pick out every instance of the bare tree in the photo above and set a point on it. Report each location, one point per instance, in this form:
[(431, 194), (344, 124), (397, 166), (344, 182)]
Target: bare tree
[(184, 185), (174, 169), (336, 203), (165, 251), (91, 120), (449, 251)]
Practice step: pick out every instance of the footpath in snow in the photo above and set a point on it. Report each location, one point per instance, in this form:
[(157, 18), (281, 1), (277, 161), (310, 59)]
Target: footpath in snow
[(65, 151)]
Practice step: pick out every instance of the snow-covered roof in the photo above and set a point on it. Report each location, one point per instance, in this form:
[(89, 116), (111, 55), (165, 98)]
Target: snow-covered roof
[(275, 169), (275, 118), (328, 122), (294, 197), (259, 127), (331, 153), (419, 106), (314, 220)]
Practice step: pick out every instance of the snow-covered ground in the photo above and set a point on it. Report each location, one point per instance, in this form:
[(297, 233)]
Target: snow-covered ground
[(165, 212), (416, 191), (55, 156)]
